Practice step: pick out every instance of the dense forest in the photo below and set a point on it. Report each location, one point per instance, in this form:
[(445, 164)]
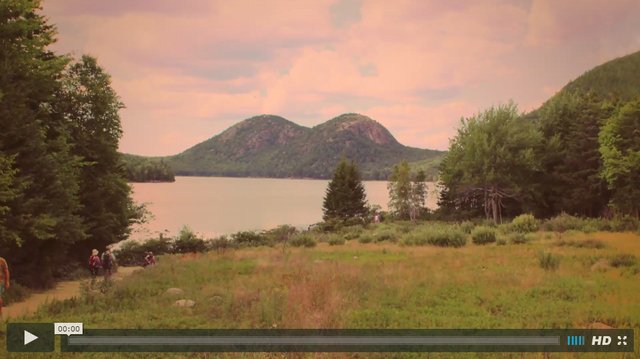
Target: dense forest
[(62, 187), (145, 169), (579, 153)]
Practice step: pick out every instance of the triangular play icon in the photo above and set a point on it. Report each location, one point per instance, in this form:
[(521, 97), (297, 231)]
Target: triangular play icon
[(28, 337)]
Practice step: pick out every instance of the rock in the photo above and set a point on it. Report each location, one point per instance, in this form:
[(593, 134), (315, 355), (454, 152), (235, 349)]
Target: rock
[(174, 291), (600, 266), (187, 303)]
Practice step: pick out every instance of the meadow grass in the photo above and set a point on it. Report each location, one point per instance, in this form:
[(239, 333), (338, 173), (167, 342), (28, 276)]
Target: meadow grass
[(375, 285)]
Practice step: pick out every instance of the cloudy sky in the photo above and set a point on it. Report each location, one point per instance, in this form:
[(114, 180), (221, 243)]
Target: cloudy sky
[(188, 69)]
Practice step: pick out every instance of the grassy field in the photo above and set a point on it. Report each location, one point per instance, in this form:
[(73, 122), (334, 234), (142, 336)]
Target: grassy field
[(379, 285)]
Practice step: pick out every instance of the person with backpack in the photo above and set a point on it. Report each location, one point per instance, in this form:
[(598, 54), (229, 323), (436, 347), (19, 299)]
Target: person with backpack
[(107, 262), (149, 259), (94, 265)]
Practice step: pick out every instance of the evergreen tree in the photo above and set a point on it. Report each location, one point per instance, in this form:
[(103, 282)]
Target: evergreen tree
[(345, 197), (620, 148), (40, 219), (418, 194), (570, 180)]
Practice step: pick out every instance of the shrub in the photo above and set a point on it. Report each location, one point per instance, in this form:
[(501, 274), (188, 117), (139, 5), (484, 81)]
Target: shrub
[(548, 261), (303, 240), (336, 240), (501, 241), (624, 224), (483, 235), (446, 237), (562, 223), (130, 253), (589, 243), (250, 239), (352, 232), (525, 223), (506, 228), (518, 238), (280, 234), (385, 235), (220, 244), (187, 241), (622, 260), (367, 238), (467, 226)]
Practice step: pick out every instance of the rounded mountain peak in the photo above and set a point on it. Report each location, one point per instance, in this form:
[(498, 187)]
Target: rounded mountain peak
[(362, 126)]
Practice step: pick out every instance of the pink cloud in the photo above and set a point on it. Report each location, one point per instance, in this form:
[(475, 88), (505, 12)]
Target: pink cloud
[(187, 70)]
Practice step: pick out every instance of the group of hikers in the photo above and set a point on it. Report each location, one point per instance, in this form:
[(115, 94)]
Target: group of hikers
[(107, 262)]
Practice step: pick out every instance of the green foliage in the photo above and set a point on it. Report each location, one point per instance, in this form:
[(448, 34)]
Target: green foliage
[(622, 260), (501, 241), (588, 243), (336, 241), (518, 238), (491, 160), (187, 242), (365, 238), (467, 226), (525, 223), (304, 239), (220, 244), (144, 169), (548, 261), (250, 239), (406, 194), (437, 235), (624, 223), (345, 197), (570, 181), (483, 235), (620, 151), (132, 253)]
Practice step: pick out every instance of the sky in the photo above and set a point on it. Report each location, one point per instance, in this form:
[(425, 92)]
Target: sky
[(188, 69)]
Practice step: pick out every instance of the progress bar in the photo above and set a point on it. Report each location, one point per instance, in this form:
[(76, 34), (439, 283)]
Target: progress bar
[(350, 340), (311, 340)]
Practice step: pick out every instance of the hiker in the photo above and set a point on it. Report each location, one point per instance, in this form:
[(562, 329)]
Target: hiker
[(107, 262), (4, 280), (149, 259), (94, 263)]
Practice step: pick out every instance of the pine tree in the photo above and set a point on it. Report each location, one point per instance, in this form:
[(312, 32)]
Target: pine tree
[(345, 197)]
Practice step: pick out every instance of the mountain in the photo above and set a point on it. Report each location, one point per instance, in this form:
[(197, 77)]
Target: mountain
[(271, 146)]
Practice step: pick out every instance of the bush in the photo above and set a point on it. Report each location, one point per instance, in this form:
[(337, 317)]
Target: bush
[(280, 234), (447, 237), (304, 239), (385, 235), (250, 239), (624, 224), (367, 238), (548, 261), (220, 244), (562, 223), (506, 228), (130, 253), (467, 226), (525, 223), (518, 238), (622, 260), (589, 243), (501, 241), (352, 232), (187, 242), (336, 240), (483, 235)]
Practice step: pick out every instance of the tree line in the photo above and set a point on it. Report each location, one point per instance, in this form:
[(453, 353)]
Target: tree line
[(142, 169), (63, 190), (579, 154)]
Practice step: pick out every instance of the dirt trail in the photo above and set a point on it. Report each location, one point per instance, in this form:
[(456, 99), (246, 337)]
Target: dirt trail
[(62, 291)]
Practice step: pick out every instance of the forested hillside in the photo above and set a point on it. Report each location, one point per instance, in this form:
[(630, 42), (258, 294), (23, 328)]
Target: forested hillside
[(146, 169), (578, 153), (271, 146)]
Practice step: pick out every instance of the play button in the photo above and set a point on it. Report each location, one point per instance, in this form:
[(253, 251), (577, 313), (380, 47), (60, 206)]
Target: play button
[(28, 337)]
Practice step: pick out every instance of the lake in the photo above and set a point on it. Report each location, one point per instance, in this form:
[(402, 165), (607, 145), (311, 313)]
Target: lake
[(213, 206)]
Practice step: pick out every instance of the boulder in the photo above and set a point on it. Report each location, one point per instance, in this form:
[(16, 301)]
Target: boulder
[(187, 303), (174, 291)]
